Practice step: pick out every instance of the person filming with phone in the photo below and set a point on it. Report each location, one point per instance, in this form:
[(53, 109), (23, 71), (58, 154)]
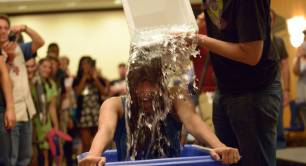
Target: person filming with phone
[(16, 55), (88, 87)]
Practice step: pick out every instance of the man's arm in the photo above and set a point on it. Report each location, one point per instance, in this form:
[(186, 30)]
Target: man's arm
[(250, 23), (248, 52), (37, 40)]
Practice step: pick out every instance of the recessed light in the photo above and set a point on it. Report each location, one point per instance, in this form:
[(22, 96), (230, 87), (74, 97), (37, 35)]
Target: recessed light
[(22, 7), (118, 2), (71, 4)]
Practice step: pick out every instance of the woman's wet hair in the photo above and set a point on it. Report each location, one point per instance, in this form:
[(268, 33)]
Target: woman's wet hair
[(150, 71), (139, 72)]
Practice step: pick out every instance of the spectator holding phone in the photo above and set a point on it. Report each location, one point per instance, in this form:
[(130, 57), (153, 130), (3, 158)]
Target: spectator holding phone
[(21, 134), (88, 87)]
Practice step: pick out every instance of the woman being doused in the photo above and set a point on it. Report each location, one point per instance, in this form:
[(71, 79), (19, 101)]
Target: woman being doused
[(146, 123), (156, 132)]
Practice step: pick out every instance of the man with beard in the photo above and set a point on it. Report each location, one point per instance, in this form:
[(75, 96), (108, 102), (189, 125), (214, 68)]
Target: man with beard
[(145, 127)]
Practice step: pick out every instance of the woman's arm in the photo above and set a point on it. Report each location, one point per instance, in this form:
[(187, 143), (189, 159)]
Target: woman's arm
[(53, 113), (97, 81), (110, 112), (80, 86), (6, 85), (193, 123)]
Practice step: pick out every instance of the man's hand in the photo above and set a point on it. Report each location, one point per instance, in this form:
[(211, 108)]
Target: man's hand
[(225, 155), (9, 48), (18, 29), (9, 118), (190, 38), (92, 160)]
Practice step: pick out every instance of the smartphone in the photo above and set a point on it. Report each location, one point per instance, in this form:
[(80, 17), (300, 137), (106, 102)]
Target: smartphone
[(93, 63), (12, 37)]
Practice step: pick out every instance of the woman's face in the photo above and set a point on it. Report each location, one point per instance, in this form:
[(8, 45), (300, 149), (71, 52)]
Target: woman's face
[(31, 67), (86, 66), (146, 93), (45, 69), (64, 64)]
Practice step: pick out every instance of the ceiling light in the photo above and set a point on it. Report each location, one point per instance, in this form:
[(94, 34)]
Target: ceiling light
[(71, 4), (296, 26), (22, 7), (118, 2)]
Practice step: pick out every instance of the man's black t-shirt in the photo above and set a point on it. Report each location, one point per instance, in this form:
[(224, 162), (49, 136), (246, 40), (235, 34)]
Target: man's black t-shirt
[(240, 21)]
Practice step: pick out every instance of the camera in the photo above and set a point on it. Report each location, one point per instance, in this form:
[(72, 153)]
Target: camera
[(12, 37)]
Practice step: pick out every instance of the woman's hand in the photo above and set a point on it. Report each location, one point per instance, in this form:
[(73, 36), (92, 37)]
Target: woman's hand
[(94, 74), (93, 160), (225, 155), (86, 77)]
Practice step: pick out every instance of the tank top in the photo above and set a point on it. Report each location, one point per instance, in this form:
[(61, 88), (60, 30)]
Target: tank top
[(172, 128)]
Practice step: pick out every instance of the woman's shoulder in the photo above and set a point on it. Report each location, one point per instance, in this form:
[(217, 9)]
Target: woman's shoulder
[(113, 100), (113, 104)]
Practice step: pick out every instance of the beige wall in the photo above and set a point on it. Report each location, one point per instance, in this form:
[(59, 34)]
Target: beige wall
[(103, 35), (288, 9)]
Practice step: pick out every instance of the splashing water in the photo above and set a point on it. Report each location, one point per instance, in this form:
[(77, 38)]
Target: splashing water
[(173, 46)]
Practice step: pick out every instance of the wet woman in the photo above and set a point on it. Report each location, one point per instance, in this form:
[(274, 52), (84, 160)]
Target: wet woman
[(140, 130)]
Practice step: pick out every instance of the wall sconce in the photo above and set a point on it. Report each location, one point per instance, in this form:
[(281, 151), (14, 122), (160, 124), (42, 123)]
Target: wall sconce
[(296, 26)]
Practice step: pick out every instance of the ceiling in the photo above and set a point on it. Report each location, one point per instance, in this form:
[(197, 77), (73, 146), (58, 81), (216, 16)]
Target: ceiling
[(13, 7)]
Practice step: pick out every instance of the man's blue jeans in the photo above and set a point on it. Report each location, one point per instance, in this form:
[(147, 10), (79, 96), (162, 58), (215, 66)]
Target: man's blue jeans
[(21, 138), (5, 143), (248, 122)]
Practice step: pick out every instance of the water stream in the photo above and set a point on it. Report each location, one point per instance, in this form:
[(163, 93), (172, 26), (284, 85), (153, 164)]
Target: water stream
[(160, 55)]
